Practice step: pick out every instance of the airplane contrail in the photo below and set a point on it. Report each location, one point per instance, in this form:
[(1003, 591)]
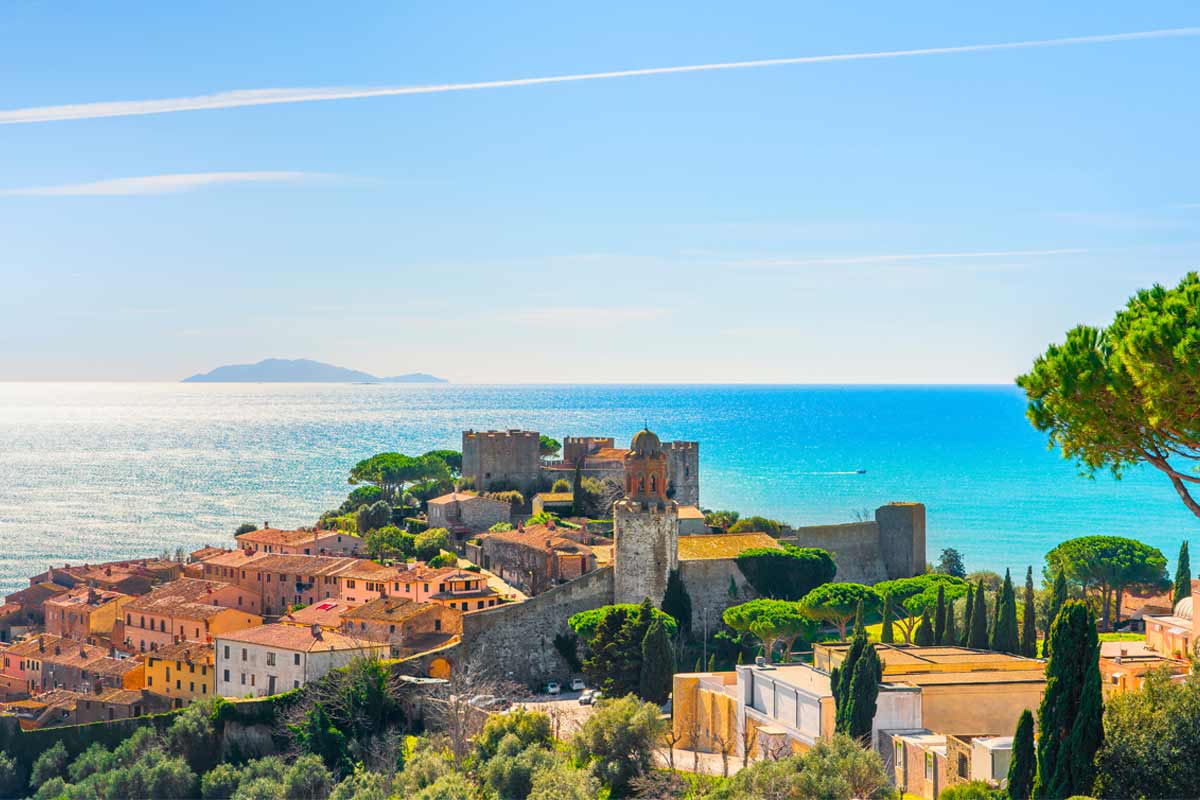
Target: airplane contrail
[(263, 97)]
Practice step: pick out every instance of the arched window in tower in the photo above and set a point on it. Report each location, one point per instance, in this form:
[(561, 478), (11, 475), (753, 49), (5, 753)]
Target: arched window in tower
[(641, 484), (653, 484)]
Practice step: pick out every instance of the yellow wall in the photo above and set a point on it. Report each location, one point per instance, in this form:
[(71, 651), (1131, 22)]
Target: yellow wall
[(982, 709), (196, 680), (710, 715), (232, 620)]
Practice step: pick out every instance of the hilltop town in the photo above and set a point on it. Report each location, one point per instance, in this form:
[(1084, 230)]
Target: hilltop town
[(553, 575)]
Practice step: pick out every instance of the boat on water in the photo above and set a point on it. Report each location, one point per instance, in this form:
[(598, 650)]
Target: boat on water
[(860, 472)]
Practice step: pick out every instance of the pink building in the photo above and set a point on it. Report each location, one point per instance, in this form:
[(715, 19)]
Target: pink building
[(185, 610), (299, 542)]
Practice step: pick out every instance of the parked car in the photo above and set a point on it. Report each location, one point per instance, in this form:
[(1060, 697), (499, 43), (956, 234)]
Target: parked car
[(586, 698), (577, 685), (553, 688)]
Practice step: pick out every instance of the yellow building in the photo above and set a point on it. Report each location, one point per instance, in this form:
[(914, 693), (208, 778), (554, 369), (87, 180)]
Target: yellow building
[(772, 710), (181, 672)]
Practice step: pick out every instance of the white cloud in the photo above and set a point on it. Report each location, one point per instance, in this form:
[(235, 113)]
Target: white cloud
[(161, 184), (262, 97)]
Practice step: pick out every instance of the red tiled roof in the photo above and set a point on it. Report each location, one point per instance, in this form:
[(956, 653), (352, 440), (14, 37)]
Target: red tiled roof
[(294, 637)]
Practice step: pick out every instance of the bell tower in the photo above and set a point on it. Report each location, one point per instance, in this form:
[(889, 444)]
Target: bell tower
[(645, 525)]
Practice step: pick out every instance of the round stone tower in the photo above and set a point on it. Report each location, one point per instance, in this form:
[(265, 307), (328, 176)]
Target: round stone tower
[(645, 525)]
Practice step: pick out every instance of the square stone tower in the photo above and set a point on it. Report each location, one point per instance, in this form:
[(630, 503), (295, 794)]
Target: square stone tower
[(645, 525), (683, 472), (501, 458)]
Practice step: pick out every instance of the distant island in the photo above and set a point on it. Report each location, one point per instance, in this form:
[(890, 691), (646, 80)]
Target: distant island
[(301, 370)]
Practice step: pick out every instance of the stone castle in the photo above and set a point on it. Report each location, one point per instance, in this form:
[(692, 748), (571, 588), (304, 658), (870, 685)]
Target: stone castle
[(518, 640), (511, 460)]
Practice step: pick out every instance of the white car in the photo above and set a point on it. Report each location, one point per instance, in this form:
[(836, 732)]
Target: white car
[(577, 685), (553, 688)]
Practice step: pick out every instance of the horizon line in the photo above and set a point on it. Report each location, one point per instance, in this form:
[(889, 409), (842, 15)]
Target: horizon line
[(273, 96)]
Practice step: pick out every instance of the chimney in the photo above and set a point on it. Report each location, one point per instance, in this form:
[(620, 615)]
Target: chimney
[(41, 644), (266, 524), (108, 570), (316, 631), (92, 597)]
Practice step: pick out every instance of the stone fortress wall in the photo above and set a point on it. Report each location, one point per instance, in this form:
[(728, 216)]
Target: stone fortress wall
[(683, 471), (502, 458), (516, 641), (890, 546)]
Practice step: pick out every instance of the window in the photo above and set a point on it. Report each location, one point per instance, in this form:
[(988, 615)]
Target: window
[(295, 684), (964, 766), (225, 677), (243, 654), (437, 624), (149, 680), (349, 584), (243, 679), (168, 673), (191, 686), (227, 653), (203, 688), (296, 659), (252, 677), (929, 766), (178, 684), (270, 658)]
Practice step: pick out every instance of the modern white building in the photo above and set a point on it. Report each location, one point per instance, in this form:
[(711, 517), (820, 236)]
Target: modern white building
[(270, 659)]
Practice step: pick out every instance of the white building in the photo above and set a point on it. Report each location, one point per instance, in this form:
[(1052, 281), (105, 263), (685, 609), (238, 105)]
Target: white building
[(270, 659)]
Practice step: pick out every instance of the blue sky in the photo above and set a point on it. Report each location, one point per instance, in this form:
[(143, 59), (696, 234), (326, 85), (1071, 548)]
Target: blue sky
[(934, 218)]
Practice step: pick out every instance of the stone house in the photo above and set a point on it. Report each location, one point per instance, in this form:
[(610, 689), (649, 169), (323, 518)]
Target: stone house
[(407, 627), (112, 704), (274, 581), (32, 600), (537, 557), (465, 513)]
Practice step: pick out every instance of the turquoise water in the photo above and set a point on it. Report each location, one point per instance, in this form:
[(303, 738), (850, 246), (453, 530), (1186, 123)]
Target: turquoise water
[(102, 471)]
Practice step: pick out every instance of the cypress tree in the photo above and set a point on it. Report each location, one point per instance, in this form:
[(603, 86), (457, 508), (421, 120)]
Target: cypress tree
[(855, 688), (939, 617), (977, 637), (577, 491), (1006, 637), (1058, 596), (1029, 619), (712, 663), (658, 665), (1023, 767), (864, 691), (677, 602), (924, 635), (1071, 715), (1183, 574), (951, 635), (968, 616), (886, 634)]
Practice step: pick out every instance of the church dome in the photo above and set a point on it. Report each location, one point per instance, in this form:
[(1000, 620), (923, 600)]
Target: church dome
[(646, 443), (1183, 609)]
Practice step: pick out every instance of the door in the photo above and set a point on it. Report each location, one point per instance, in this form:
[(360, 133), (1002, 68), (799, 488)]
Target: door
[(271, 684)]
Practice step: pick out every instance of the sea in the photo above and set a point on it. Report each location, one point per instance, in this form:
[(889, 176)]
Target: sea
[(98, 471)]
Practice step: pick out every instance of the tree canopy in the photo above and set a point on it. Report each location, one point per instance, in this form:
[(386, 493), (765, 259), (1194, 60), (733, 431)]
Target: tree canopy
[(391, 472), (585, 623), (916, 594), (1112, 398), (788, 573), (951, 563), (838, 603), (547, 446), (772, 621), (755, 525), (1106, 566)]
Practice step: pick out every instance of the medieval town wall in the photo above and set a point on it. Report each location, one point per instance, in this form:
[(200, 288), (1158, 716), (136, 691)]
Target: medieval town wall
[(891, 546), (516, 641)]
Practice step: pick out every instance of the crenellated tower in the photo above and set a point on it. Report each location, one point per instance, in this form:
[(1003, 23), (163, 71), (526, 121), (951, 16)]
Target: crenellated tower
[(645, 524)]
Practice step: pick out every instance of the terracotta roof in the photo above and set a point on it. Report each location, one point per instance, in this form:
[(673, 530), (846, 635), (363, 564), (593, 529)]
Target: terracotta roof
[(192, 597), (277, 536), (117, 696), (420, 573), (38, 593), (83, 595), (235, 558), (608, 454), (114, 667), (540, 537), (705, 546), (461, 497), (10, 608), (294, 637), (194, 652), (306, 565), (369, 570), (327, 613), (70, 652), (388, 609), (205, 553)]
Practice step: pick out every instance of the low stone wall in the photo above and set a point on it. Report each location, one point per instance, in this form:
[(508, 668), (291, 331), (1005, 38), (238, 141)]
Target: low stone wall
[(516, 641)]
